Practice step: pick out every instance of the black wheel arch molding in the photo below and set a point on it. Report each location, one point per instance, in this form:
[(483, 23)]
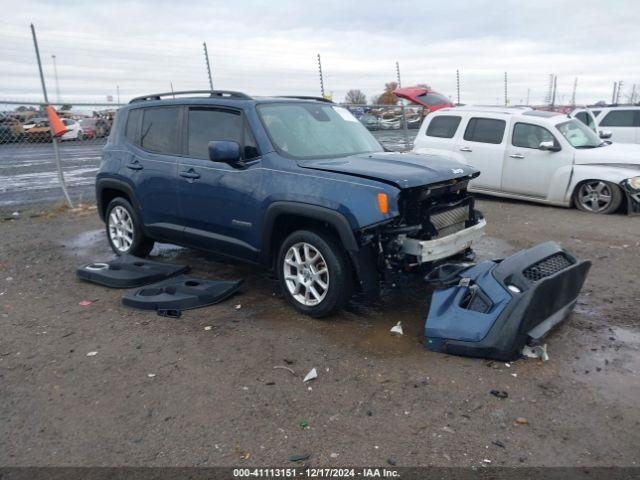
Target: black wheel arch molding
[(103, 184)]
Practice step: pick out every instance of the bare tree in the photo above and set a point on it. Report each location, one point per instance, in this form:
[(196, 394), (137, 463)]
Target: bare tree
[(388, 97), (356, 97)]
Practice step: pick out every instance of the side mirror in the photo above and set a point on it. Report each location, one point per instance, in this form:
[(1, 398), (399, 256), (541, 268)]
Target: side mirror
[(225, 151), (604, 134), (549, 146)]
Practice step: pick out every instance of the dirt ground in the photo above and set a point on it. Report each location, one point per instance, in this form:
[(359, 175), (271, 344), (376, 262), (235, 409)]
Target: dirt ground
[(164, 391)]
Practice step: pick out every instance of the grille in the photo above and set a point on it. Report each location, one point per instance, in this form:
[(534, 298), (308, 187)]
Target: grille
[(547, 267), (450, 221)]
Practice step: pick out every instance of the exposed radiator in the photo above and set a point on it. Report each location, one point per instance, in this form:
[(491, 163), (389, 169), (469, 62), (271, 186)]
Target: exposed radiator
[(450, 221)]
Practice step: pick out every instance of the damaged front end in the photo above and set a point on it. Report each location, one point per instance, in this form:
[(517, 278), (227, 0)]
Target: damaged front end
[(436, 222)]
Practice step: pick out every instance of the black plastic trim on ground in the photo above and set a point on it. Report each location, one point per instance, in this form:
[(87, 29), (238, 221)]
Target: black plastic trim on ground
[(181, 293), (128, 271)]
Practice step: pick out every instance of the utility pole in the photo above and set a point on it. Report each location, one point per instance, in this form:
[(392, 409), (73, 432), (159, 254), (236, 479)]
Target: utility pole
[(632, 100), (613, 95), (405, 127), (506, 97), (55, 72), (321, 79), (206, 57), (56, 151), (118, 93), (573, 94), (528, 94), (458, 87), (618, 92), (555, 88)]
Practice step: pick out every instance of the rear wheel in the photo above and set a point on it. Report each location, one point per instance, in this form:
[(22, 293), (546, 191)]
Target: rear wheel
[(314, 273), (124, 229), (597, 196)]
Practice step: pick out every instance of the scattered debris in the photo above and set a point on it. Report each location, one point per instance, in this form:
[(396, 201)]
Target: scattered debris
[(448, 429), (397, 329), (311, 375), (238, 307), (92, 354), (391, 461), (334, 455), (151, 375), (499, 393), (498, 443), (288, 362), (522, 421), (537, 351), (86, 303), (208, 327), (270, 383), (299, 458), (486, 460), (304, 425), (170, 312), (282, 367), (15, 214)]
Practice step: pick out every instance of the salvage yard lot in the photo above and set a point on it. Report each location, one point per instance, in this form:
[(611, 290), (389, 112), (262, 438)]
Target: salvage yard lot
[(164, 391)]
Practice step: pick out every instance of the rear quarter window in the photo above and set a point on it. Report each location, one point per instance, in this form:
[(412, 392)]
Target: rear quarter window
[(132, 128), (443, 126), (485, 130)]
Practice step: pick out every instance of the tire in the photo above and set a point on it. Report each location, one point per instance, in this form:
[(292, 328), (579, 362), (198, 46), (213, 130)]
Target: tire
[(308, 278), (597, 196), (124, 229)]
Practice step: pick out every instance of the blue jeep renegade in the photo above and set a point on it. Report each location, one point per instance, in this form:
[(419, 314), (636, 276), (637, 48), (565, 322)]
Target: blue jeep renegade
[(294, 184)]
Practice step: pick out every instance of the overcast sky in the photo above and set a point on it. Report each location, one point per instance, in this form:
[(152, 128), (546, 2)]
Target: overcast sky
[(270, 47)]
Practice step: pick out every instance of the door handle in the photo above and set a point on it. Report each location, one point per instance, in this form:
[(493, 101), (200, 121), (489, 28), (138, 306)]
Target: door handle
[(191, 174), (517, 155), (135, 165), (466, 149)]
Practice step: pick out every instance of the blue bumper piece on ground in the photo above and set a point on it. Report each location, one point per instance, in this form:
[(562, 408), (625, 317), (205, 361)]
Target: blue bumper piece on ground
[(496, 307)]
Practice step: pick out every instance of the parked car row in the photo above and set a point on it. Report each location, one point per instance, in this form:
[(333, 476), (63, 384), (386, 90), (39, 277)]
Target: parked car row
[(38, 129)]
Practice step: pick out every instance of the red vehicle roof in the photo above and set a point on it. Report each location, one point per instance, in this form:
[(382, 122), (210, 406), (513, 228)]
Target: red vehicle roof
[(430, 99)]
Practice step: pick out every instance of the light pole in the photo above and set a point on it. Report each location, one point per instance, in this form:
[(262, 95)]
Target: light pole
[(55, 72)]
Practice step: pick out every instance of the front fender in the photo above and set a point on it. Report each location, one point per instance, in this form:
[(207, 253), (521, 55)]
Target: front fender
[(604, 172)]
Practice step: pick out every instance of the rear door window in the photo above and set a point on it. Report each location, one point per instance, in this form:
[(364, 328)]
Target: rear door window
[(443, 126), (160, 130), (485, 130), (619, 118)]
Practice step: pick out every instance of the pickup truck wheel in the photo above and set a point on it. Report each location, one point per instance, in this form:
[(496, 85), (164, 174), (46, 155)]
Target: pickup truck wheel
[(597, 196), (124, 229), (314, 273)]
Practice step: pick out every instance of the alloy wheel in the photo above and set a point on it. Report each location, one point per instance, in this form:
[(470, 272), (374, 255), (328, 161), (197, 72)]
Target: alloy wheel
[(306, 274), (595, 196), (121, 229)]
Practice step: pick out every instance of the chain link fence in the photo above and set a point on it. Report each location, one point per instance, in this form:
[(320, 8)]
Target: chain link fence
[(28, 172)]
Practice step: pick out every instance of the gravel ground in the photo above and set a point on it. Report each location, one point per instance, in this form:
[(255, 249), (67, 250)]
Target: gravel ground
[(165, 391)]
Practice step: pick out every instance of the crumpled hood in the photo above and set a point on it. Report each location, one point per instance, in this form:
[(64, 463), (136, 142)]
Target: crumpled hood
[(625, 155), (404, 170)]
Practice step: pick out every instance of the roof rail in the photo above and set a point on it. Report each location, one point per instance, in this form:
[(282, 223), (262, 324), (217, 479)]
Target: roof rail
[(306, 97), (211, 93)]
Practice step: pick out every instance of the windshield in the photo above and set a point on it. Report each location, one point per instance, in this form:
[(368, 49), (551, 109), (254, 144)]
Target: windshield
[(433, 99), (578, 134), (310, 130)]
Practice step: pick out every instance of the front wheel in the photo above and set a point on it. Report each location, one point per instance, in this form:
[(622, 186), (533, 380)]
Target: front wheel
[(597, 196), (124, 229), (314, 272)]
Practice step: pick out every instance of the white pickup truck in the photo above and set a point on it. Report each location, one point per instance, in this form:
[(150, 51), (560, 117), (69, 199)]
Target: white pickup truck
[(541, 156)]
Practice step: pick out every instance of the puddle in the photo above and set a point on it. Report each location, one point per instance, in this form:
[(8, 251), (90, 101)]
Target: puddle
[(87, 243), (612, 359)]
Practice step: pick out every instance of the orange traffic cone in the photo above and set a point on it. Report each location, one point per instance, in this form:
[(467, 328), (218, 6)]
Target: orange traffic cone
[(58, 128)]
